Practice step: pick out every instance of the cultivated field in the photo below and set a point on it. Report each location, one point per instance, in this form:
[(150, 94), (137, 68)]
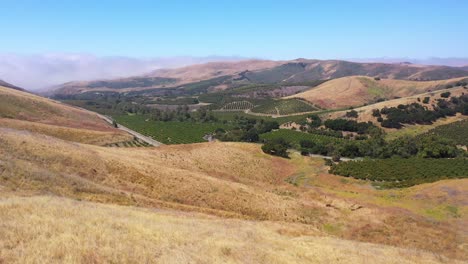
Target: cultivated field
[(170, 132)]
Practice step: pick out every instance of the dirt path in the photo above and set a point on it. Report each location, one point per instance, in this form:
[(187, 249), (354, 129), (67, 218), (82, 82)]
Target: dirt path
[(329, 157), (132, 132)]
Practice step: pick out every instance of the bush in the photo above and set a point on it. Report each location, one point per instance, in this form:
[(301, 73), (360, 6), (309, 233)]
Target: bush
[(445, 95)]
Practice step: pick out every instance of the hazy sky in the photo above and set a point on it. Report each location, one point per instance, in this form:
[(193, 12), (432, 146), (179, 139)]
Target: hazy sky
[(265, 29)]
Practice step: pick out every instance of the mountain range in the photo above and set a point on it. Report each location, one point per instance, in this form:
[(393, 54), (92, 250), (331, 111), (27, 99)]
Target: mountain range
[(225, 75)]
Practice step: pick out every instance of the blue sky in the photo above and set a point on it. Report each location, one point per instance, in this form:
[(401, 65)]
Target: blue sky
[(264, 29)]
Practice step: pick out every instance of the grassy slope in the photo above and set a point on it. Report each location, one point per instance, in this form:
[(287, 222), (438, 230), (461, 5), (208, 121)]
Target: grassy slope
[(68, 231), (25, 111), (358, 90)]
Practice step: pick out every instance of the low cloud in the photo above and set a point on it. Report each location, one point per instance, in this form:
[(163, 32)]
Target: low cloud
[(36, 72), (454, 62)]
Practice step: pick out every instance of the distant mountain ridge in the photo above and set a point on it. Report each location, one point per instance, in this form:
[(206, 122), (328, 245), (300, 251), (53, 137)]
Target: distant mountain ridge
[(264, 71)]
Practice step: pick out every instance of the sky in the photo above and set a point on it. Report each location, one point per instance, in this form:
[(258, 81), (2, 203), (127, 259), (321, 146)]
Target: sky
[(48, 42), (261, 29)]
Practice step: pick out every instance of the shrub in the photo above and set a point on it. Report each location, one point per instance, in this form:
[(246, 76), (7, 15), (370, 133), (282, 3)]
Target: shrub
[(376, 112), (352, 114)]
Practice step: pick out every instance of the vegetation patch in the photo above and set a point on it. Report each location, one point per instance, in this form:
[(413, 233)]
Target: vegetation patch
[(295, 137)]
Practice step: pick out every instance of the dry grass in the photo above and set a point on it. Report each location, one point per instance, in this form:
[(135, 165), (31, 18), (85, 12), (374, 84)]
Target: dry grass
[(233, 180), (225, 179), (85, 136), (58, 230), (359, 90), (25, 106)]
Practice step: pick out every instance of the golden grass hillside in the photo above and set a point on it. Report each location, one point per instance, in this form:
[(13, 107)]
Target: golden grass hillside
[(359, 90), (25, 111), (230, 180), (58, 230)]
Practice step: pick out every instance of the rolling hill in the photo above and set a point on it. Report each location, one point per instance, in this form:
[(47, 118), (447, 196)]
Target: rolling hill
[(365, 112), (359, 90), (234, 74)]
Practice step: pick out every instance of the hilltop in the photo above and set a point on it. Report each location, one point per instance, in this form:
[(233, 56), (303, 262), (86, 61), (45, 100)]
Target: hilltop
[(360, 90), (9, 85)]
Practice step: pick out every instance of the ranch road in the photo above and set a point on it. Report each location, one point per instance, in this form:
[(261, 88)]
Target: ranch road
[(132, 132)]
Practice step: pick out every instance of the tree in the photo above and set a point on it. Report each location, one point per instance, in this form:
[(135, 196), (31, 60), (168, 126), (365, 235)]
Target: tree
[(251, 135), (276, 147), (315, 121), (376, 112)]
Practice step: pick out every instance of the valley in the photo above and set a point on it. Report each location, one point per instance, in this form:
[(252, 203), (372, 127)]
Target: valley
[(156, 188)]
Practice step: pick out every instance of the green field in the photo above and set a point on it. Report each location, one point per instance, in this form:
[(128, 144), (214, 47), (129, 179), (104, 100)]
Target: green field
[(457, 131), (295, 137), (284, 107), (399, 172), (171, 132)]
